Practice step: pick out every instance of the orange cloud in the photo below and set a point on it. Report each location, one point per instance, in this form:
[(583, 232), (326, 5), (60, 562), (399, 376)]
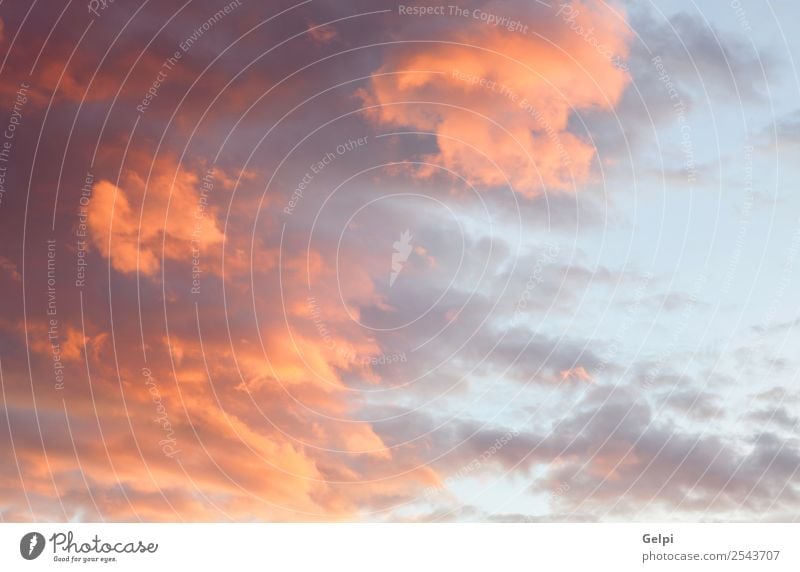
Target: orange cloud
[(507, 95), (9, 268), (127, 223), (578, 373), (321, 34)]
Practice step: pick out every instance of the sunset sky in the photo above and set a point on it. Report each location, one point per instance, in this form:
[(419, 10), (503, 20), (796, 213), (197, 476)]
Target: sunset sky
[(357, 260)]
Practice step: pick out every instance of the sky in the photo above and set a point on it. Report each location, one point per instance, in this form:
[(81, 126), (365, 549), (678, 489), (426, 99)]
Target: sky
[(366, 261)]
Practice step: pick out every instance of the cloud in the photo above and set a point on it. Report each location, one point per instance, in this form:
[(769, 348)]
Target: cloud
[(9, 269), (783, 134), (127, 224), (321, 34), (620, 461), (498, 102), (703, 59), (267, 395), (700, 405)]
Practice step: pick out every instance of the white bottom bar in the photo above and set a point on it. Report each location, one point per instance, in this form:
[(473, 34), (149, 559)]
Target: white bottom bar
[(402, 547)]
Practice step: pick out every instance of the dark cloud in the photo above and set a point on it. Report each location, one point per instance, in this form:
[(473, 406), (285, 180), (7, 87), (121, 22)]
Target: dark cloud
[(618, 460)]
